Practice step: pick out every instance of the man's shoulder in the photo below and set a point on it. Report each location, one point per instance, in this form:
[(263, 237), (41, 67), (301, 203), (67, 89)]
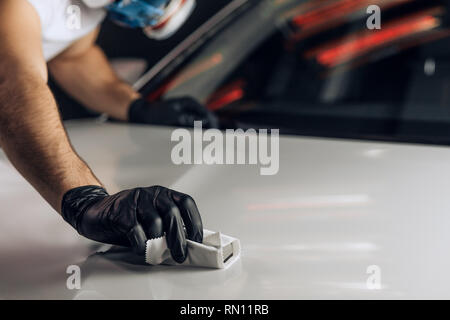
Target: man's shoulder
[(17, 12), (12, 6), (20, 38)]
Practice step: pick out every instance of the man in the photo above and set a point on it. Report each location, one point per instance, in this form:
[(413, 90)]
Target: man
[(34, 35)]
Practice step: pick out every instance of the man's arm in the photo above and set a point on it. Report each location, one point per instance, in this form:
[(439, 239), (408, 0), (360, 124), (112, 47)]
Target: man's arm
[(31, 132), (35, 141), (84, 72)]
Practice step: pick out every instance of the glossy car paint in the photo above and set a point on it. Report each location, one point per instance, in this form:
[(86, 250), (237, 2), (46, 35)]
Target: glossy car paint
[(334, 209)]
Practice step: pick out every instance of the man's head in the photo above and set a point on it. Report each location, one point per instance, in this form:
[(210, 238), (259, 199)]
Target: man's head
[(158, 18)]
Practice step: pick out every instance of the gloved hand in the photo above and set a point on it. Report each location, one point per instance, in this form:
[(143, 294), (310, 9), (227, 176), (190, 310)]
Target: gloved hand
[(130, 217), (172, 112)]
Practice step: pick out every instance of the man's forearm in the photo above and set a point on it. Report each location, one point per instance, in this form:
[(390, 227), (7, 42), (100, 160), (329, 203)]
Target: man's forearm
[(34, 139), (89, 78)]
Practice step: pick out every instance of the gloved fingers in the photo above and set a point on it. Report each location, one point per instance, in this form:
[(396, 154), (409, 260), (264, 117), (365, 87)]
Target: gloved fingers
[(178, 111), (148, 216), (208, 118), (187, 120), (137, 239), (191, 216), (183, 112), (172, 224), (201, 113), (175, 234), (152, 224)]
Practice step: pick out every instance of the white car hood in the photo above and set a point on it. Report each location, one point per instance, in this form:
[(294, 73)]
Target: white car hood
[(336, 210)]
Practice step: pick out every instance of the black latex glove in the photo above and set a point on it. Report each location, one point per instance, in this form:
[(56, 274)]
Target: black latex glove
[(130, 217), (172, 112)]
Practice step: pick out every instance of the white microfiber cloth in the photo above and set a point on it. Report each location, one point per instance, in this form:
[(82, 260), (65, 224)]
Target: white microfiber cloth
[(217, 251)]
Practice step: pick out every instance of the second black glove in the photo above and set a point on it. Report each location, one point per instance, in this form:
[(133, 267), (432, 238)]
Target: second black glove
[(172, 112)]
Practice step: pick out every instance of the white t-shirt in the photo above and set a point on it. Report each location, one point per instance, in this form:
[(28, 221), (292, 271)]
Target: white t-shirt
[(63, 22)]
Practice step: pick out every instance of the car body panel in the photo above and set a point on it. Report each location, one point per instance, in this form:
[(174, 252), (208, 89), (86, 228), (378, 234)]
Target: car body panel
[(335, 209)]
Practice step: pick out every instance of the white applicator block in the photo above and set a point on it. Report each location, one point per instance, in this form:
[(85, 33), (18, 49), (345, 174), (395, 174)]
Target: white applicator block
[(217, 251)]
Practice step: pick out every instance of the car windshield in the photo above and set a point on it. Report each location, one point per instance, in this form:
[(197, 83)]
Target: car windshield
[(325, 68)]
